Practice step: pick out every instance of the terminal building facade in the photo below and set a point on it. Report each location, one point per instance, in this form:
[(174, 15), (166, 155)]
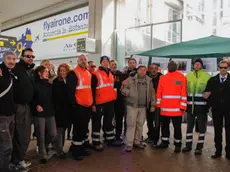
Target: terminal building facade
[(61, 30)]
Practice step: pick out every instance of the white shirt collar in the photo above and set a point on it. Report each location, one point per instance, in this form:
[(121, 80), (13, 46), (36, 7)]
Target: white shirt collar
[(225, 77)]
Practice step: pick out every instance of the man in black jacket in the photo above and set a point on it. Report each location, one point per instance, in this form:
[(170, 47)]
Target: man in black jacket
[(153, 118), (119, 108), (7, 109), (23, 95), (218, 94), (132, 69)]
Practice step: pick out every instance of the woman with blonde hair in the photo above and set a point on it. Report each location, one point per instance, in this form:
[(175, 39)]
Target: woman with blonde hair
[(46, 63), (61, 106)]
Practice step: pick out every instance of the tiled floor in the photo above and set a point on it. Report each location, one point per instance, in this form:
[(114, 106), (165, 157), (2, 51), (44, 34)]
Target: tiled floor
[(148, 160)]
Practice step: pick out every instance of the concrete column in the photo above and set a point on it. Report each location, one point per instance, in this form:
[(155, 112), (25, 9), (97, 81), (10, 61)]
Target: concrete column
[(0, 27), (102, 20)]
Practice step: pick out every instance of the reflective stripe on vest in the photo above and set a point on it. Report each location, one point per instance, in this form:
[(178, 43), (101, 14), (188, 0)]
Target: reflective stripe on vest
[(197, 103), (102, 85), (195, 95), (170, 109), (183, 98), (171, 97), (183, 104), (81, 86)]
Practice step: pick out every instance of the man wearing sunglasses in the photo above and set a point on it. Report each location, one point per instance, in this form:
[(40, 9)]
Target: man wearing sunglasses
[(218, 94), (153, 118), (92, 66), (23, 95)]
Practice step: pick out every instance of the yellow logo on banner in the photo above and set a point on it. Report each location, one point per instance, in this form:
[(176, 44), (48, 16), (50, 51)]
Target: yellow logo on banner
[(28, 37), (1, 43)]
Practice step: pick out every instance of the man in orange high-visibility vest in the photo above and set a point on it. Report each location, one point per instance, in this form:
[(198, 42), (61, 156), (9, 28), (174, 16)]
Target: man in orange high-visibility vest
[(172, 101), (104, 96), (81, 98)]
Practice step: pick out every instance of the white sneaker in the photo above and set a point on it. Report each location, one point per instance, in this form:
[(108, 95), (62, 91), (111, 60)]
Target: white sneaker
[(25, 164)]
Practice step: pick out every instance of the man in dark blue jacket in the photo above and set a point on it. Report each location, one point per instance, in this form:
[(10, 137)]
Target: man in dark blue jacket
[(7, 109)]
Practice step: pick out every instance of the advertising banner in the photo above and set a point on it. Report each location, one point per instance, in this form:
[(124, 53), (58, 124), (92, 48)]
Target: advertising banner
[(52, 37), (6, 43)]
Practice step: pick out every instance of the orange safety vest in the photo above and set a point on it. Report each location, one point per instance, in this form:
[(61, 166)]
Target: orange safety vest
[(83, 93), (105, 91), (171, 94)]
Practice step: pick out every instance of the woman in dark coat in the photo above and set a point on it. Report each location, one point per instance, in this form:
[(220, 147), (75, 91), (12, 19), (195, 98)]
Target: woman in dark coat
[(61, 103), (44, 116)]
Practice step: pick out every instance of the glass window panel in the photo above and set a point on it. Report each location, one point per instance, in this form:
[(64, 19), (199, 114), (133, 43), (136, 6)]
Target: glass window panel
[(138, 39)]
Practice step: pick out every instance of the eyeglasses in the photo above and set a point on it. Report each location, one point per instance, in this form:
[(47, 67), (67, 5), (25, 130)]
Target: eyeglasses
[(223, 67), (29, 56)]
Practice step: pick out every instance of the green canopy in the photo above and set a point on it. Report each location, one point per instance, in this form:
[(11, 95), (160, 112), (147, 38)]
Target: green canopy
[(212, 46)]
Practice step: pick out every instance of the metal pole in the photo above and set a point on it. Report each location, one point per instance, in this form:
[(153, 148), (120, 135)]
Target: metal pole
[(181, 30), (151, 33), (171, 21)]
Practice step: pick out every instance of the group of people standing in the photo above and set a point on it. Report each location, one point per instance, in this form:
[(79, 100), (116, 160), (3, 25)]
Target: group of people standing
[(86, 93)]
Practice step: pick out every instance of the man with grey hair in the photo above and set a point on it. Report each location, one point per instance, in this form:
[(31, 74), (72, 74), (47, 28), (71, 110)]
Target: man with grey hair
[(7, 108), (23, 96)]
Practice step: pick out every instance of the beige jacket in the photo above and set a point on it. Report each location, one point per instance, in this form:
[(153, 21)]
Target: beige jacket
[(130, 91)]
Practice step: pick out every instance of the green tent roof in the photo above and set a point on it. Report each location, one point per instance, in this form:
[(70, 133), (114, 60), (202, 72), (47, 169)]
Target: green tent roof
[(212, 46)]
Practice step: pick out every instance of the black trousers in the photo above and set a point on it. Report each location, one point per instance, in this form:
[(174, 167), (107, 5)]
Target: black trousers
[(69, 130), (87, 134), (6, 145), (80, 125), (218, 119), (201, 119), (22, 132), (119, 111), (107, 111), (177, 121), (153, 124)]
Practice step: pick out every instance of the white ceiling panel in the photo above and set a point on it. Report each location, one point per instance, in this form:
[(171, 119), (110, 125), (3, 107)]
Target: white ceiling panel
[(10, 9)]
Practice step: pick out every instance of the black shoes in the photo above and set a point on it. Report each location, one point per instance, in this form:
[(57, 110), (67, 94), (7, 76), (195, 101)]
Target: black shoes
[(154, 145), (186, 149), (216, 155), (162, 146), (115, 143), (43, 161), (78, 157), (149, 140), (177, 149), (87, 145), (99, 148), (85, 152), (198, 152)]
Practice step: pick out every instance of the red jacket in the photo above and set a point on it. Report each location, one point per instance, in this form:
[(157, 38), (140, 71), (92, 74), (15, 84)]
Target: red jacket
[(171, 94)]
